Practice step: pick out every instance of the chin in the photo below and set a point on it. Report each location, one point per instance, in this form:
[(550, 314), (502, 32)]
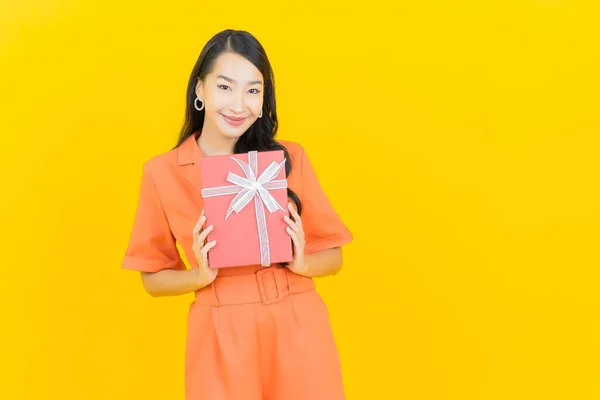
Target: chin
[(232, 135), (233, 132)]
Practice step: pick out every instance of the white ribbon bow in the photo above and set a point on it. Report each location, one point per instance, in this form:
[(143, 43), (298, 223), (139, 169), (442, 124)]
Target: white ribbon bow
[(253, 188)]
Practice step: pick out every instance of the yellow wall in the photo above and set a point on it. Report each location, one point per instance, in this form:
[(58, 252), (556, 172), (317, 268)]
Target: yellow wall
[(458, 140)]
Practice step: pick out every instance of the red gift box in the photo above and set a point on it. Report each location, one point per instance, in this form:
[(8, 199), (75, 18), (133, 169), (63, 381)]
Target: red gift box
[(245, 199)]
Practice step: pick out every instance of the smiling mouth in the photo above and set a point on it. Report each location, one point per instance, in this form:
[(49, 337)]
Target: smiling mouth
[(235, 119)]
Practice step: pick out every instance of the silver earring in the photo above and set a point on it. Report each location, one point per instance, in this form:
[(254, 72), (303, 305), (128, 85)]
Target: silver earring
[(260, 116), (196, 105)]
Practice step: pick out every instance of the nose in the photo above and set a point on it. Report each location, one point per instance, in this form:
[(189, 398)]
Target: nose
[(237, 104)]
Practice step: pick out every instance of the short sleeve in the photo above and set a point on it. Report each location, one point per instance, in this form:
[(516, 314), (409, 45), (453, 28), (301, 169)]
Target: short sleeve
[(323, 228), (151, 245)]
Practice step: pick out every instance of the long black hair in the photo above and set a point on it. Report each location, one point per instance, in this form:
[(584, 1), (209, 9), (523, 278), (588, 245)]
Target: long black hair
[(261, 135)]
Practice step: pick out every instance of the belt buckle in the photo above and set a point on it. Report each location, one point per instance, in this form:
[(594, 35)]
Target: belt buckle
[(260, 276)]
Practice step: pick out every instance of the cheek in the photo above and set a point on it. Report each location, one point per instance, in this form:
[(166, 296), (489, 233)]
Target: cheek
[(215, 99), (216, 103), (255, 104)]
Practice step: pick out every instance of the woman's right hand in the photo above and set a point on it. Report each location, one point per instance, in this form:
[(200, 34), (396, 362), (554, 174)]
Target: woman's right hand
[(206, 275)]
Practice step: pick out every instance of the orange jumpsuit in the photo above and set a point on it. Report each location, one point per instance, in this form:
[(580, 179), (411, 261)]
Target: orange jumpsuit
[(255, 333)]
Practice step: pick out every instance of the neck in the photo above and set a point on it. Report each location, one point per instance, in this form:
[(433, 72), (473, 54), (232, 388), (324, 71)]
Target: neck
[(214, 144)]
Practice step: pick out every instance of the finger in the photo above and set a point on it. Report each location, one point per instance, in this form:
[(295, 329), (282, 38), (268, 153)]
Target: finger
[(294, 237), (199, 224), (291, 223), (297, 227), (196, 241), (208, 246), (300, 236), (204, 234), (295, 214)]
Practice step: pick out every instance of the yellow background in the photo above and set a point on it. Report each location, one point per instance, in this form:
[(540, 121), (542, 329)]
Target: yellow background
[(457, 139)]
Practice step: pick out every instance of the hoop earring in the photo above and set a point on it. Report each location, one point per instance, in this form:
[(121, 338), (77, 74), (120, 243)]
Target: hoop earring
[(196, 105), (260, 116)]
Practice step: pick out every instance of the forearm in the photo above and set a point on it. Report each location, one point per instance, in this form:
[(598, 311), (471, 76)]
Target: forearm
[(172, 282), (319, 264)]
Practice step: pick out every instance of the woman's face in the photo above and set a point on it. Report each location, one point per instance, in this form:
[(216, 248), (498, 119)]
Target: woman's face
[(233, 89)]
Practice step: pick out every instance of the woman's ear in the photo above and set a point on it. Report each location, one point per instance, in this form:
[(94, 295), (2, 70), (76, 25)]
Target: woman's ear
[(200, 89)]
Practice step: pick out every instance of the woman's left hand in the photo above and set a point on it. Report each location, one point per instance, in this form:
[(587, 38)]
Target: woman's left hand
[(296, 232)]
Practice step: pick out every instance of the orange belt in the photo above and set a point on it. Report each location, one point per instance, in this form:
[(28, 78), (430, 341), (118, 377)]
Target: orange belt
[(267, 285)]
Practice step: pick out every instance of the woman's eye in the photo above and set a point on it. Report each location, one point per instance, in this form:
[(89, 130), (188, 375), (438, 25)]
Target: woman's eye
[(224, 87), (255, 91)]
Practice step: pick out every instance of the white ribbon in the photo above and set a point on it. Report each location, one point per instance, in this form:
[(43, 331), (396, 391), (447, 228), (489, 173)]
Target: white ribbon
[(249, 188)]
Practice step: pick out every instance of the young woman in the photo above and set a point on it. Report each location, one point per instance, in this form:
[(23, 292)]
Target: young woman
[(253, 332)]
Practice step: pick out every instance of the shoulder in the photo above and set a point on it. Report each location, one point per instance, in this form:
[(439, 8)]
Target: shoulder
[(295, 150), (161, 164)]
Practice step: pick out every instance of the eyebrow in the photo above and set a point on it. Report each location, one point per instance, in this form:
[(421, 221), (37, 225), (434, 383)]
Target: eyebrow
[(234, 81)]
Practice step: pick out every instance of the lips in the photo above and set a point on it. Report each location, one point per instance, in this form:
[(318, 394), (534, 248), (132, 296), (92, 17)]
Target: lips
[(233, 121)]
